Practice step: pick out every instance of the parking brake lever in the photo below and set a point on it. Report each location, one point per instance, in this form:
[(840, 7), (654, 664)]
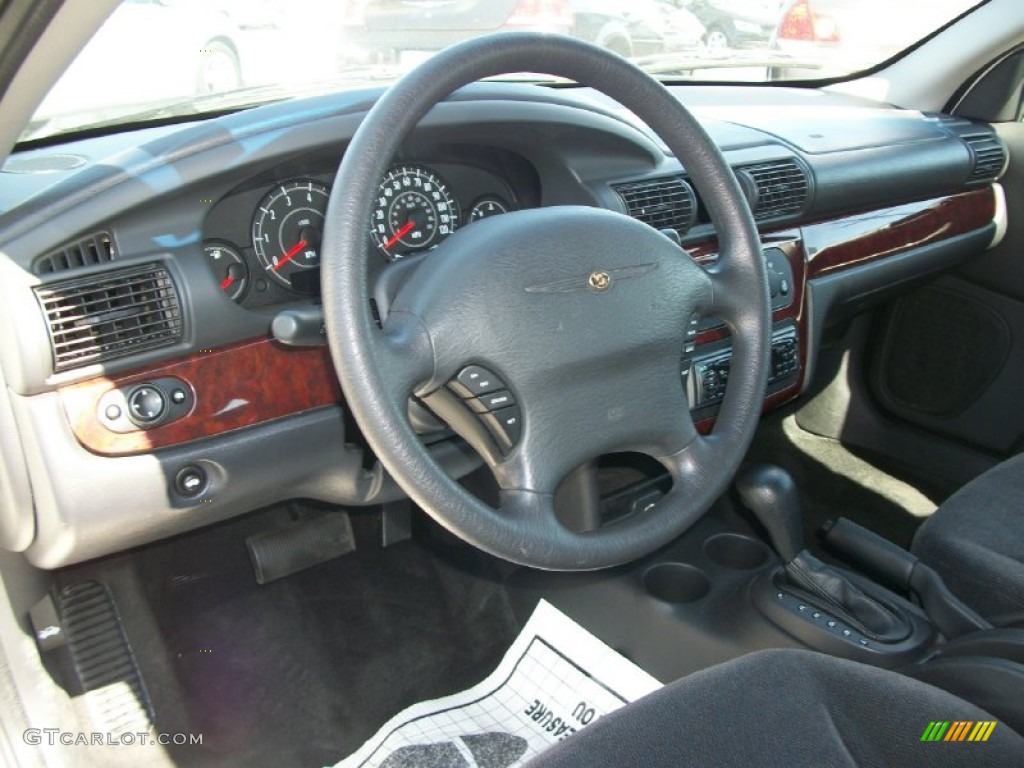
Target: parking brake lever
[(886, 562)]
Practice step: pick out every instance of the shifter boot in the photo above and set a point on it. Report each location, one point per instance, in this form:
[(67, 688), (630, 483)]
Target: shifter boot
[(838, 594)]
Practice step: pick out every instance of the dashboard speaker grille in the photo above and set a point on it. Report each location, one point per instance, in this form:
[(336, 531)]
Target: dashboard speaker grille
[(85, 252), (102, 317), (776, 189), (666, 203), (989, 157)]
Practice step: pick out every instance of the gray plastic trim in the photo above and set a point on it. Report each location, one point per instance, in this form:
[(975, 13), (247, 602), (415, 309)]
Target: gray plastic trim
[(89, 505), (16, 522), (840, 296)]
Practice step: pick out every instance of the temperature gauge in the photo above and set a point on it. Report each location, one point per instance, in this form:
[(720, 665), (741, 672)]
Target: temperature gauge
[(229, 268)]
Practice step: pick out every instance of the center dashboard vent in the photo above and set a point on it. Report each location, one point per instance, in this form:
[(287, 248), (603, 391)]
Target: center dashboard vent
[(84, 252), (665, 203), (775, 189), (989, 157), (101, 317)]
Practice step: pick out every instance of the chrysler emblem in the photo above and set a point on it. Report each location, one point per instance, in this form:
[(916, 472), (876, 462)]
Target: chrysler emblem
[(598, 281)]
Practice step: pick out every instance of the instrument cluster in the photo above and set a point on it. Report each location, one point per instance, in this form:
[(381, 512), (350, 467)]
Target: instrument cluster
[(277, 257)]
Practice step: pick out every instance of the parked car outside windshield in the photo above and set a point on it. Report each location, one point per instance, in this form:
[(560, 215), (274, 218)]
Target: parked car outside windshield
[(840, 36), (159, 59)]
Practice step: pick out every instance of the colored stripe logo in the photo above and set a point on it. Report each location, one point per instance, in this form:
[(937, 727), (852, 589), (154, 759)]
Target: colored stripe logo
[(958, 730)]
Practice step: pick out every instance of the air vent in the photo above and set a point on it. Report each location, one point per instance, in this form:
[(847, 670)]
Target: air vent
[(102, 317), (989, 157), (95, 249), (775, 189), (666, 203)]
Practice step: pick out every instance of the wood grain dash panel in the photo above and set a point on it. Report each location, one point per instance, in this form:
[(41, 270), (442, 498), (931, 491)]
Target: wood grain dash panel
[(853, 240), (234, 387)]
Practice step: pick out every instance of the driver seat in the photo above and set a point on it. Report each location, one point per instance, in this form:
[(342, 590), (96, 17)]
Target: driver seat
[(791, 708)]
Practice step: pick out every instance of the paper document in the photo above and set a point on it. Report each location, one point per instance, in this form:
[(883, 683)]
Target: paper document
[(555, 679)]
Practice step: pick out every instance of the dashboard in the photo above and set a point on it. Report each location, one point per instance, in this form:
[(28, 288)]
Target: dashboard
[(161, 286)]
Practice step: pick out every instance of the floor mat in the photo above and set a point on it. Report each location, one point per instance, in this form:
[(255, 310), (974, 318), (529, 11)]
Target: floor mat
[(555, 679), (304, 669)]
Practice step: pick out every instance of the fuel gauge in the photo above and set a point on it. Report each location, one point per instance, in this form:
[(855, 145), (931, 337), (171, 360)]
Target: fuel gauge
[(229, 268)]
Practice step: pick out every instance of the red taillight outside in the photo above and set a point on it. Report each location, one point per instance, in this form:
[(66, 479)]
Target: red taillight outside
[(545, 15), (802, 23)]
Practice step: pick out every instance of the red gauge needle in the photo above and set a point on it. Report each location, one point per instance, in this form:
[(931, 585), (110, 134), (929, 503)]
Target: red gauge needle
[(227, 282), (405, 230), (292, 253)]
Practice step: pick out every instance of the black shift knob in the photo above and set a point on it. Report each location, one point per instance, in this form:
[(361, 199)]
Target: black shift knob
[(770, 493)]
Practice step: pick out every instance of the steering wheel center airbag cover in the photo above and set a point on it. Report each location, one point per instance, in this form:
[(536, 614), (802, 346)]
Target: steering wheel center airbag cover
[(516, 291)]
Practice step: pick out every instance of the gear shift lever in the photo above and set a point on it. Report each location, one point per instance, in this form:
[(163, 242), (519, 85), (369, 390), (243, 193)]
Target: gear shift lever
[(770, 493)]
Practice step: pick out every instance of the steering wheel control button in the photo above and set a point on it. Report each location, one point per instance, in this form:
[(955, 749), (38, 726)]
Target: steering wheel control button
[(147, 404), (190, 481), (492, 402), (505, 425), (475, 380)]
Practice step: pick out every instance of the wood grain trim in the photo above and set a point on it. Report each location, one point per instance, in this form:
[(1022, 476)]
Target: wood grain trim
[(787, 241), (853, 240), (260, 379)]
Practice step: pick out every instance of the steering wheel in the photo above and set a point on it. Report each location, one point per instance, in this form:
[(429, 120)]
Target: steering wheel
[(580, 312)]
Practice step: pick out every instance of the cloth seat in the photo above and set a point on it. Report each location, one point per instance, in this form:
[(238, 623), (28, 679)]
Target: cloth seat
[(975, 540), (789, 708)]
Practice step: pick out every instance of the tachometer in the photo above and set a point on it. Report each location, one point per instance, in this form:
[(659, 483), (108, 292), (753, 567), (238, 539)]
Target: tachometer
[(287, 228), (413, 211)]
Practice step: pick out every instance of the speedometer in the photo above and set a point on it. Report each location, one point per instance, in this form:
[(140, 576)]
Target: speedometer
[(413, 211)]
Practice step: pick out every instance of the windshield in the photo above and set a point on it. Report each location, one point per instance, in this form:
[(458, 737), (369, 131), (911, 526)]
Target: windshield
[(156, 59)]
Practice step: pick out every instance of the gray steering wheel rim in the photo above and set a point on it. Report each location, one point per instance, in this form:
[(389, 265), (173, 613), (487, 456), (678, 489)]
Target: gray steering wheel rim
[(355, 339)]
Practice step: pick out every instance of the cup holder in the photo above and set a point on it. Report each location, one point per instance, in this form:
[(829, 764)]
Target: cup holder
[(676, 583), (732, 550)]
